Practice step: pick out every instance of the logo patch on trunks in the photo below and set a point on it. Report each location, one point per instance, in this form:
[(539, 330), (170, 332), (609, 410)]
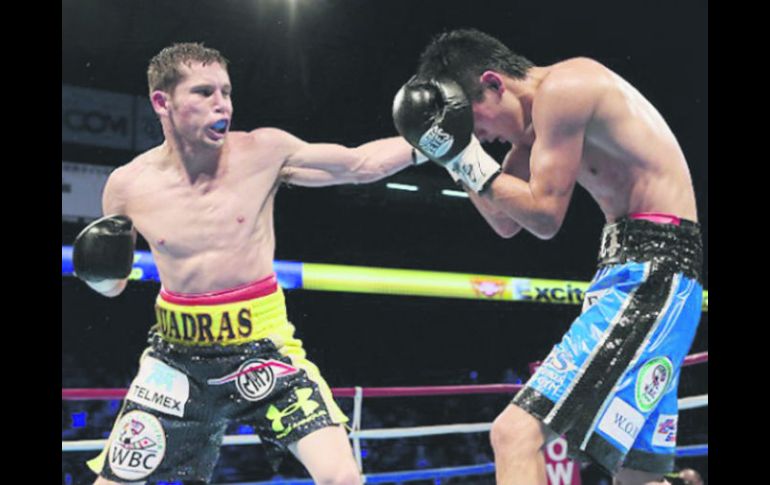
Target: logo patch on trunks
[(160, 387), (255, 379), (622, 422), (553, 373), (593, 297), (138, 446), (665, 431), (652, 382), (303, 403)]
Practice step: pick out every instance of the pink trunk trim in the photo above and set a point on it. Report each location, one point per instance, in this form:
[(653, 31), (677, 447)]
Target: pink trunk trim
[(657, 217), (265, 286)]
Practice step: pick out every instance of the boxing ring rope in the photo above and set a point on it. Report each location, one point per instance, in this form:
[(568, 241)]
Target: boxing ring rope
[(359, 279), (108, 394), (389, 281)]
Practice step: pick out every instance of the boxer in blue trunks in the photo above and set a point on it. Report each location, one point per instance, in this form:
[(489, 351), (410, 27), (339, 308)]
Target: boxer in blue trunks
[(610, 385)]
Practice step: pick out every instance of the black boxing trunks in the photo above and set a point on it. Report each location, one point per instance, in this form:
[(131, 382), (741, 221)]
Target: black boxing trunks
[(214, 359)]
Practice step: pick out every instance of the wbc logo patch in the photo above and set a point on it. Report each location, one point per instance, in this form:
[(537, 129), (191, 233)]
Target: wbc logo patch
[(138, 446)]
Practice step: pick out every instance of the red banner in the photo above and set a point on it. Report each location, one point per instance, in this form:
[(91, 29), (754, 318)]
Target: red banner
[(559, 469)]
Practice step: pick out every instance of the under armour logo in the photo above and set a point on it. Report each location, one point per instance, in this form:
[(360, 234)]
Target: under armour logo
[(304, 403)]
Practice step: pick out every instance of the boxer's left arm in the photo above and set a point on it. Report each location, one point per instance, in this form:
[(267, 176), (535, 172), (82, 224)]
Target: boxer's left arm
[(323, 164), (560, 116), (503, 225), (516, 163)]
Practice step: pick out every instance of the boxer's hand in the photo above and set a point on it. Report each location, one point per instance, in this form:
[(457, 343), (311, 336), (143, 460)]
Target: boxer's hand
[(104, 250), (436, 118)]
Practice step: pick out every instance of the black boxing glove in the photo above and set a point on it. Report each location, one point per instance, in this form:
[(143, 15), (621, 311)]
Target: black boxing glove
[(104, 250), (436, 118)]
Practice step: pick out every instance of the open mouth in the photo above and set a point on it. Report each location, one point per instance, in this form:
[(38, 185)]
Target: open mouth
[(220, 127)]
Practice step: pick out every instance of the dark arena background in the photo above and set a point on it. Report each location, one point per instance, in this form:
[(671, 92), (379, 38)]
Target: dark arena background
[(327, 71)]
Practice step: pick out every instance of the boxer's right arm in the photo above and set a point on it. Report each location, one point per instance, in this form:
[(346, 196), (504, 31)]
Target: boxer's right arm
[(103, 253)]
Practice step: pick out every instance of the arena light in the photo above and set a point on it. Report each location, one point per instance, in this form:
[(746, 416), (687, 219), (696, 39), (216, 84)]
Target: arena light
[(409, 188), (454, 193)]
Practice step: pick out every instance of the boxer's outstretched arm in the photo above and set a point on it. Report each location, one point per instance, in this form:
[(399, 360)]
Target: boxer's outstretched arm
[(321, 164)]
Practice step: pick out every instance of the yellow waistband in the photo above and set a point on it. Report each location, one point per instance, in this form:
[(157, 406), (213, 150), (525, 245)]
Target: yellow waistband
[(223, 324)]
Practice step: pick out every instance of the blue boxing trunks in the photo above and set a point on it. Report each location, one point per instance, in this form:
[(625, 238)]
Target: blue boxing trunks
[(610, 385)]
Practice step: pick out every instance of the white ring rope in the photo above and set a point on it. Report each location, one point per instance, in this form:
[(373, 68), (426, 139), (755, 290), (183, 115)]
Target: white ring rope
[(371, 434)]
